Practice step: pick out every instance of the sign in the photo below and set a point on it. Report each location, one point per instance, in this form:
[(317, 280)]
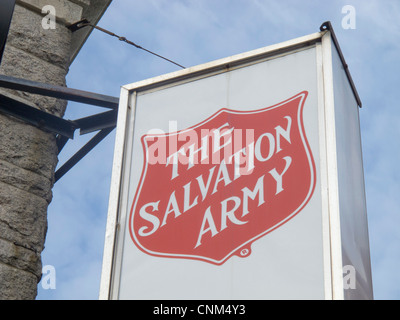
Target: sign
[(228, 181), (222, 185)]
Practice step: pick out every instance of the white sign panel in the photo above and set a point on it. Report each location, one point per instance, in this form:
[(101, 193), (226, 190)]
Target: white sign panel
[(227, 181)]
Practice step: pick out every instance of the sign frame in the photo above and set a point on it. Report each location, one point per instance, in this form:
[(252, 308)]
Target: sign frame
[(334, 239)]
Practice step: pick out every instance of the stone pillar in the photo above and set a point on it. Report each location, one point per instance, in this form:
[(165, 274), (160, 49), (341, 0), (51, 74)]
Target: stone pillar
[(28, 155)]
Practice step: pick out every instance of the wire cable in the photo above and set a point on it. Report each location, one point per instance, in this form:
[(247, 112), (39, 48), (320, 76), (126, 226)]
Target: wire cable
[(88, 24)]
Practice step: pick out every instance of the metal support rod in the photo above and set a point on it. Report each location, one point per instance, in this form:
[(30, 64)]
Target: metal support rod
[(65, 129), (61, 142), (85, 23), (36, 117), (59, 92), (97, 122), (82, 152)]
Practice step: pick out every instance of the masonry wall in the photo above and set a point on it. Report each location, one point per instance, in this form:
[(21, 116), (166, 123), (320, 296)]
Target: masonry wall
[(28, 155)]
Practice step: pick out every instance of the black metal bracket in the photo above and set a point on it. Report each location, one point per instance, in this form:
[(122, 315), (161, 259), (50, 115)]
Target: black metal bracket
[(78, 25), (327, 25), (36, 117), (82, 152), (59, 92), (104, 122)]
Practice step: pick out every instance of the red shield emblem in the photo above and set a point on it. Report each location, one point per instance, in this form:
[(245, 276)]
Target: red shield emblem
[(210, 191)]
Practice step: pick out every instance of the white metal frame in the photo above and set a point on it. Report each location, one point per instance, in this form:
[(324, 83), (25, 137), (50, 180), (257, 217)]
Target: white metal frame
[(332, 184)]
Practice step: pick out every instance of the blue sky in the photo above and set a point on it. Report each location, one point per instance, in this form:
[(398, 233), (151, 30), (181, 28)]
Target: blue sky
[(192, 32)]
